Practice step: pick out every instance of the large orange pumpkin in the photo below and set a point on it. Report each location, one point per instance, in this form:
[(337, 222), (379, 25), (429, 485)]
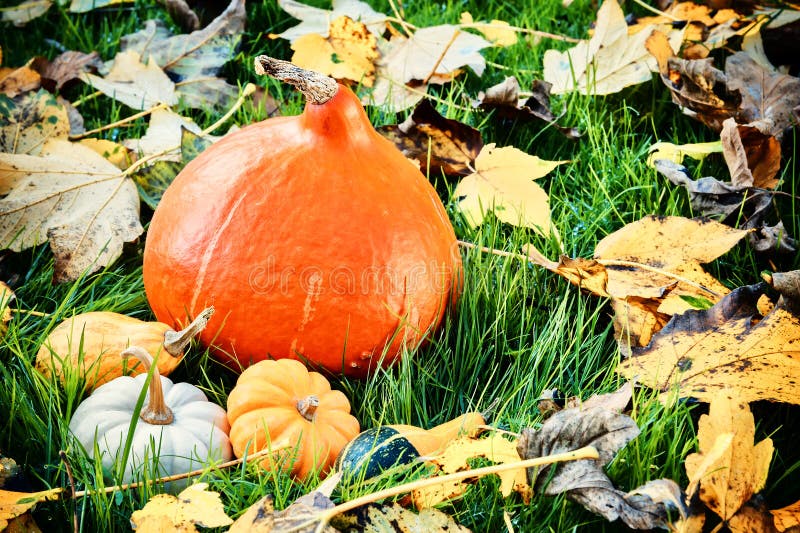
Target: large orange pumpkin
[(312, 236)]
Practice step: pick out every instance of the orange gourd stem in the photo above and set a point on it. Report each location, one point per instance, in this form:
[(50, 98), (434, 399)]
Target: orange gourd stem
[(156, 411), (307, 407), (317, 88), (176, 341)]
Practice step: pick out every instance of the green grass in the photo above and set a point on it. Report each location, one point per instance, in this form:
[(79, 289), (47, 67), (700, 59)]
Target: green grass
[(518, 329)]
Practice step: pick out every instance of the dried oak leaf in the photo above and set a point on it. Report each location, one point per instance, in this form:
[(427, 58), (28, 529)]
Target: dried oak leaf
[(193, 60), (607, 63), (455, 458), (316, 20), (347, 53), (439, 144), (194, 506), (741, 470), (504, 99), (27, 123), (374, 518), (503, 184), (584, 481), (72, 197), (702, 352)]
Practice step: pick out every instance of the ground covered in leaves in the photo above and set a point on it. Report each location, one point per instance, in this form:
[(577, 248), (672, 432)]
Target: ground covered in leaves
[(623, 182)]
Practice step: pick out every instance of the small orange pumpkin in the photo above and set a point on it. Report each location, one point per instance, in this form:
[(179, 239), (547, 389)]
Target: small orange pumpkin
[(281, 405), (312, 235)]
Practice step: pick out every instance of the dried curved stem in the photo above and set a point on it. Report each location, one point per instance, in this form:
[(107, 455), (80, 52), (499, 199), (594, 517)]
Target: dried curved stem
[(156, 411), (317, 88), (307, 407), (176, 341)]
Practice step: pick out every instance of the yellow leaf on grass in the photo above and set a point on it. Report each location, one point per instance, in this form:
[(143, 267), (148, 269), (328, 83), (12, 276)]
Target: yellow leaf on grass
[(676, 152), (13, 504), (741, 471), (503, 184), (496, 31), (194, 506), (454, 458), (349, 52), (116, 154)]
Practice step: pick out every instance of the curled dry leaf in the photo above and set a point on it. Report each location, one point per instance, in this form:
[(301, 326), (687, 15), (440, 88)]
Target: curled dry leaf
[(753, 157), (347, 53), (72, 197), (194, 506), (67, 67), (700, 353), (439, 144)]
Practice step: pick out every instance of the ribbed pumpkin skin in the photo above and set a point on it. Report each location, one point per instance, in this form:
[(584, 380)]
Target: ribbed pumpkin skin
[(266, 396), (311, 235)]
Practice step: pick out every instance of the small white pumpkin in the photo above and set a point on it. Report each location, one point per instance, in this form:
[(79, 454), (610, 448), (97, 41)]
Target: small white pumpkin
[(177, 423)]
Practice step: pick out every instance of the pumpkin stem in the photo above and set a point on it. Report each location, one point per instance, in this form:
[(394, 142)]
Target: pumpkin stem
[(317, 88), (156, 411), (307, 407), (177, 341)]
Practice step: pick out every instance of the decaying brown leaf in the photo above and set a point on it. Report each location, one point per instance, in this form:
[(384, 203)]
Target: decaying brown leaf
[(65, 68), (455, 458), (702, 352), (504, 99), (585, 481), (439, 144), (347, 53), (72, 197), (33, 119), (194, 506), (390, 518), (753, 157)]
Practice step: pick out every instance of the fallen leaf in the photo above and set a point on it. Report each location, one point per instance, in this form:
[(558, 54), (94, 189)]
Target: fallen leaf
[(14, 504), (615, 401), (194, 506), (753, 516), (27, 123), (753, 158), (302, 516), (316, 20), (16, 81), (182, 14), (116, 154), (25, 12), (133, 83), (676, 152), (349, 52), (741, 471), (786, 517), (607, 63), (504, 99), (163, 132), (67, 67), (503, 184), (439, 144), (498, 32), (194, 60), (455, 458), (374, 518), (72, 197), (83, 6), (702, 352)]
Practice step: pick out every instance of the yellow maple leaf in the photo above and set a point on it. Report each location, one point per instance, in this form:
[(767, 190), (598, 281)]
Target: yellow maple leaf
[(454, 458), (349, 52), (194, 506), (503, 184), (741, 470)]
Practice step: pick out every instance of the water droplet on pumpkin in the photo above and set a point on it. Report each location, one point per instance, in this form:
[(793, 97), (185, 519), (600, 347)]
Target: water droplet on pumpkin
[(366, 355)]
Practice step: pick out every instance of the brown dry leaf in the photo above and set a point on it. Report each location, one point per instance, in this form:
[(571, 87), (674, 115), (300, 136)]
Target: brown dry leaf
[(455, 458), (753, 157), (436, 54), (348, 53), (374, 518), (503, 184), (586, 274), (497, 31), (25, 12), (703, 352), (72, 197), (194, 506), (607, 63), (193, 60), (133, 83), (14, 504), (504, 99), (786, 517), (439, 144), (66, 67), (31, 120), (182, 14), (741, 470), (699, 88), (317, 21), (261, 517)]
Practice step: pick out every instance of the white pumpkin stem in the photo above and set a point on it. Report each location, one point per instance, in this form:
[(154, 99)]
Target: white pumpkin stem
[(317, 88), (307, 407), (177, 341), (156, 411)]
